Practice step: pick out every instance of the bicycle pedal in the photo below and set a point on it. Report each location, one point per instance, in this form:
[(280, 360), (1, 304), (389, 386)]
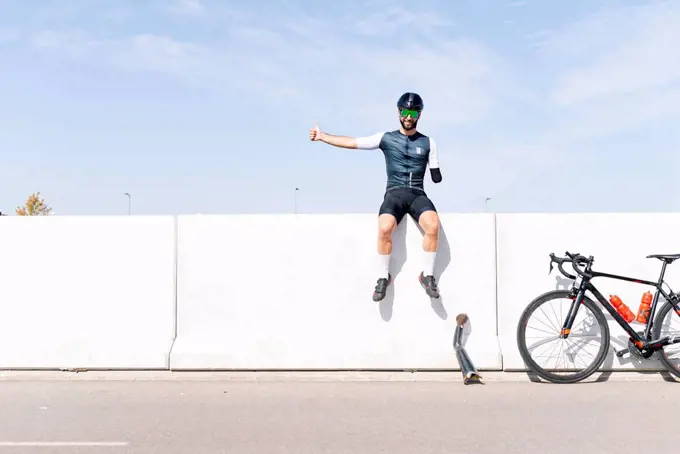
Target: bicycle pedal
[(620, 353)]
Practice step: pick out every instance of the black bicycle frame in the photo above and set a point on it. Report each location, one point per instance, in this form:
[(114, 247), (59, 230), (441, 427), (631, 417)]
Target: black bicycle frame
[(641, 342)]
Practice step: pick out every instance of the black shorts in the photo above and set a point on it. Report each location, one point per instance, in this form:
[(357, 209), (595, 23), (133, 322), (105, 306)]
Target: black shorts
[(401, 201)]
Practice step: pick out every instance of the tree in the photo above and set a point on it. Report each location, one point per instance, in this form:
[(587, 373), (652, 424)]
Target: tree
[(35, 206)]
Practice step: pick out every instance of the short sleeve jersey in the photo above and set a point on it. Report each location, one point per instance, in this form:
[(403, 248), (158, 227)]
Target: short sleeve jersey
[(406, 157)]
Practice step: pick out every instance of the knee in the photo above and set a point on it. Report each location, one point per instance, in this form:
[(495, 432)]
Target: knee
[(385, 230), (430, 225)]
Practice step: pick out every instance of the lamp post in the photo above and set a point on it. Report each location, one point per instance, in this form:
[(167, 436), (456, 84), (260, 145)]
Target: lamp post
[(129, 196)]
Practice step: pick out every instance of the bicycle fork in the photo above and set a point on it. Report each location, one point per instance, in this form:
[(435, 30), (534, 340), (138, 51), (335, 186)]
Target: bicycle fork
[(573, 310)]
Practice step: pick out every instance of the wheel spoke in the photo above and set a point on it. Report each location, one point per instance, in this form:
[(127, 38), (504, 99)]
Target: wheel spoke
[(670, 353), (548, 353)]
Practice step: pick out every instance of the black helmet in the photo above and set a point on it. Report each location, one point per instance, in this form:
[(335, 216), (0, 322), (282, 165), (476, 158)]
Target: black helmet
[(410, 101)]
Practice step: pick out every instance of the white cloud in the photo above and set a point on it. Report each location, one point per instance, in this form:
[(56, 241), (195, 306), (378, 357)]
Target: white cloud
[(291, 55), (616, 71), (493, 168), (611, 116), (70, 43), (399, 18), (331, 64), (626, 51), (456, 78), (163, 54), (186, 7), (538, 38)]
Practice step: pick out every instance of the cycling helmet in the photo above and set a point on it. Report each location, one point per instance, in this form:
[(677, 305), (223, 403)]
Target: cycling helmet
[(410, 101)]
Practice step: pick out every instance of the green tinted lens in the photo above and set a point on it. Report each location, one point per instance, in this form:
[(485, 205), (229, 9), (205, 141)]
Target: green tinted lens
[(407, 112)]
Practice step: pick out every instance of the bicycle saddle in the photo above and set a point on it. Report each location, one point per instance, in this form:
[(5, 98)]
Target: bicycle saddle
[(668, 257)]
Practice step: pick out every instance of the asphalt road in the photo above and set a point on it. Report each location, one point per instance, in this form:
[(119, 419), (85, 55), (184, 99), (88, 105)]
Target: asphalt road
[(195, 417)]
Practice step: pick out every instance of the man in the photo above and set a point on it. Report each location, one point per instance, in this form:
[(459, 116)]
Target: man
[(407, 156)]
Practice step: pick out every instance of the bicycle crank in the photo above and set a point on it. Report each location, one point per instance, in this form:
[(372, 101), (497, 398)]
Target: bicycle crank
[(635, 351)]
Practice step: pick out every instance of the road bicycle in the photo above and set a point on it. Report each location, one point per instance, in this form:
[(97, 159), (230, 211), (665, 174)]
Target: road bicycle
[(641, 344)]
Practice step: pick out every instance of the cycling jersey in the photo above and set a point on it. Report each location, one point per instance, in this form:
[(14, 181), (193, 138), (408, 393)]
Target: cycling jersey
[(406, 157)]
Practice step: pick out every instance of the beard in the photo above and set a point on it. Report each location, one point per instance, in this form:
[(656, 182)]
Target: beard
[(408, 126)]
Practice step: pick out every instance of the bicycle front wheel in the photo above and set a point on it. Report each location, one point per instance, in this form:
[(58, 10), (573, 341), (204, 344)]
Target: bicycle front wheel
[(590, 328)]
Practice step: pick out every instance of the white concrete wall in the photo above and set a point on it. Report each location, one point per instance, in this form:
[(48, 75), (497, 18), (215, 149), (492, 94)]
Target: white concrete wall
[(294, 291), (90, 292), (273, 291), (618, 242)]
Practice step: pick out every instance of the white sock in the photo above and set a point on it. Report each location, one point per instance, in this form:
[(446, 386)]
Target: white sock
[(384, 269), (428, 264)]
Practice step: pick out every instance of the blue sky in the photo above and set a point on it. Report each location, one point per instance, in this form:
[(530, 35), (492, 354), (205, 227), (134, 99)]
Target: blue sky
[(204, 106)]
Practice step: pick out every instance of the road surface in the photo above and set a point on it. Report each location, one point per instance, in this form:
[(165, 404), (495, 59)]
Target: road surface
[(300, 417)]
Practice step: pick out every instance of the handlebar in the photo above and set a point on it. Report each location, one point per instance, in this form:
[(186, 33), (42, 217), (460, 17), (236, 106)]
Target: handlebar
[(575, 259)]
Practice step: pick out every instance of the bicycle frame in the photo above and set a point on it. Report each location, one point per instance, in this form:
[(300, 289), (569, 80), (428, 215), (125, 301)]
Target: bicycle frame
[(580, 288)]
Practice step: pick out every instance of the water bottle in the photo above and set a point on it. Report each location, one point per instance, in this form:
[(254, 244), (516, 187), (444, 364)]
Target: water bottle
[(621, 308)]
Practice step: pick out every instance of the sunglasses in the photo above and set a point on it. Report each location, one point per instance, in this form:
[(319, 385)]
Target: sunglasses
[(413, 113)]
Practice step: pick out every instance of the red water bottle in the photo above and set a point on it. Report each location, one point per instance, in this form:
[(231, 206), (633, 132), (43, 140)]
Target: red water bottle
[(621, 308), (645, 304)]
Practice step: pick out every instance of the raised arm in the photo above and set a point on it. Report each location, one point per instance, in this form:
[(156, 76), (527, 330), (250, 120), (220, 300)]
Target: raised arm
[(433, 162), (363, 143), (338, 141)]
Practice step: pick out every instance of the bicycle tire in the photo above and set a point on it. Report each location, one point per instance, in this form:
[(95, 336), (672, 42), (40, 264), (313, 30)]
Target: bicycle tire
[(543, 373), (656, 333)]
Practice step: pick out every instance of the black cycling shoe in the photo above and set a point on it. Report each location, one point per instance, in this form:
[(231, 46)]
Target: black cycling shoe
[(381, 288), (429, 283)]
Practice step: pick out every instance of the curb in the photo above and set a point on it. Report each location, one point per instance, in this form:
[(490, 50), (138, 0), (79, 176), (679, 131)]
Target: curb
[(313, 376)]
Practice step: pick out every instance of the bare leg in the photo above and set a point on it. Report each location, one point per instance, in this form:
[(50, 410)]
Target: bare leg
[(387, 224), (429, 222)]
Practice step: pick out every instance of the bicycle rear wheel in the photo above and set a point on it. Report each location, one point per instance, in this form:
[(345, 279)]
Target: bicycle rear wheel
[(670, 354), (589, 314)]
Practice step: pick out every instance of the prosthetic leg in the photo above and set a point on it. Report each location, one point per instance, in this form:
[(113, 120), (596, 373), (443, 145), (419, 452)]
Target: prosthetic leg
[(470, 374)]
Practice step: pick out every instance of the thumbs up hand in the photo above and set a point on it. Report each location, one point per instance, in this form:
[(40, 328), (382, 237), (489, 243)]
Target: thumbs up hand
[(315, 133)]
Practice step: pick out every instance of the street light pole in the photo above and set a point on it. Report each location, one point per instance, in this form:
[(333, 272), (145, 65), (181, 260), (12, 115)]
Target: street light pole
[(129, 202)]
